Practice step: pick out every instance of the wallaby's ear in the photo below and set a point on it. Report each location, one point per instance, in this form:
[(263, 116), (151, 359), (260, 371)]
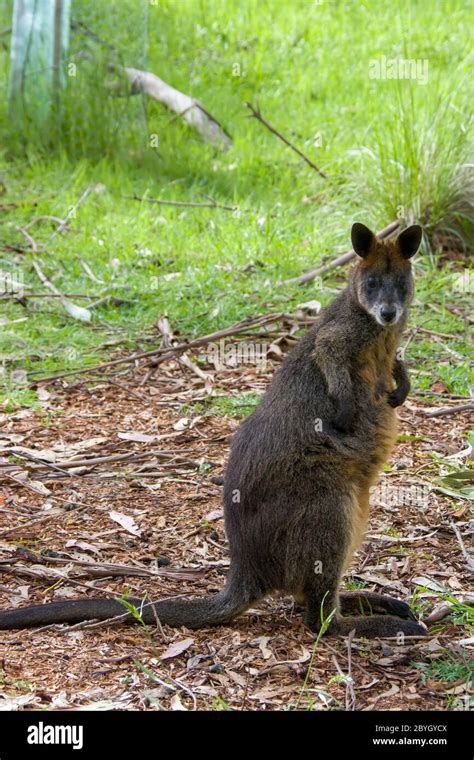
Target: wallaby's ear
[(409, 241), (362, 239)]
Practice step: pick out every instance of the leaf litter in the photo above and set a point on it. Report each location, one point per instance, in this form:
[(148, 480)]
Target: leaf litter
[(129, 507)]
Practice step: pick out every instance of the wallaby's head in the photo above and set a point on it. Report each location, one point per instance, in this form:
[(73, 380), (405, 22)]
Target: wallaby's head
[(383, 279)]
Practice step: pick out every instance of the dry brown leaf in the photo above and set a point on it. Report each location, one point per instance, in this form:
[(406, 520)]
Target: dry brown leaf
[(128, 523), (177, 648), (176, 704), (137, 437), (215, 515)]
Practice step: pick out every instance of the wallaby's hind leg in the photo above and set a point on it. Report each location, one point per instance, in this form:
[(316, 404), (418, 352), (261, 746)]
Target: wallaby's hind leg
[(320, 605), (370, 603), (372, 626)]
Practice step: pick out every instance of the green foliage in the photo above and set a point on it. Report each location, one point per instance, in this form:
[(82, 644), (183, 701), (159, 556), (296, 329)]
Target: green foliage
[(389, 147), (447, 669), (225, 406)]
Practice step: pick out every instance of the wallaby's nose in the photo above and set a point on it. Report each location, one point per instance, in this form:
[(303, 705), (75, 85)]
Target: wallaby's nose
[(388, 314)]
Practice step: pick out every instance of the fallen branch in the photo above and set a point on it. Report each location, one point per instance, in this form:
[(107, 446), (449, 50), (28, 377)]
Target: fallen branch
[(52, 576), (93, 569), (343, 259), (257, 115), (165, 354), (189, 109), (445, 410)]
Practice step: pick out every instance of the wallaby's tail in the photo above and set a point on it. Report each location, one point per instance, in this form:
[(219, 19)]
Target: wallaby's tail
[(217, 609)]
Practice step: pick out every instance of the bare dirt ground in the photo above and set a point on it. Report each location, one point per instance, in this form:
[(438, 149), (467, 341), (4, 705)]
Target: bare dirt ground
[(161, 513)]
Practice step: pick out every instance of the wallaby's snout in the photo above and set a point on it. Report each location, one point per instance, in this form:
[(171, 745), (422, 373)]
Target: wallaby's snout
[(383, 279), (388, 314)]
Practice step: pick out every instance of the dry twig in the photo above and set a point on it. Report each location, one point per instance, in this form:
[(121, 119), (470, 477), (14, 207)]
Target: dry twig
[(340, 260), (257, 115)]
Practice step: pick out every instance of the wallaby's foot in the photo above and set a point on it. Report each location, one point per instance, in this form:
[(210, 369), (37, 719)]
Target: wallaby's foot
[(370, 603), (369, 626), (373, 626)]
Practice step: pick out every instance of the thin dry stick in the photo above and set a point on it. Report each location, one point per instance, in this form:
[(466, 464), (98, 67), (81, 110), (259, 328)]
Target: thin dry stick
[(78, 312), (182, 204), (31, 241), (439, 310), (36, 521), (452, 396), (343, 259), (38, 460), (171, 353), (46, 282), (186, 362), (25, 483), (168, 338), (466, 555), (158, 625), (129, 456), (122, 387), (71, 213), (46, 295), (438, 334), (44, 218), (183, 687), (445, 410), (350, 684), (257, 115)]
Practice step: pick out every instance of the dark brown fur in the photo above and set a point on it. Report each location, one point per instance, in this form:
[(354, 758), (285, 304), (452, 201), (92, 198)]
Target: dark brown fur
[(298, 480)]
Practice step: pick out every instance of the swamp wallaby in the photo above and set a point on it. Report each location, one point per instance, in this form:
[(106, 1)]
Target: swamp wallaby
[(298, 480)]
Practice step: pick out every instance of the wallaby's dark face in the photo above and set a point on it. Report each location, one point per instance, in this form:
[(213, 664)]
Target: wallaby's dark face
[(383, 279)]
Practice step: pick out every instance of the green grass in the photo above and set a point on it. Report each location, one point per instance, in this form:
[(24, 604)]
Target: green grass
[(447, 669), (389, 148), (461, 615), (225, 406)]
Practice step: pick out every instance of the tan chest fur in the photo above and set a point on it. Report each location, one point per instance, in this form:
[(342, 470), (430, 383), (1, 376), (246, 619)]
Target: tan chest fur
[(374, 367)]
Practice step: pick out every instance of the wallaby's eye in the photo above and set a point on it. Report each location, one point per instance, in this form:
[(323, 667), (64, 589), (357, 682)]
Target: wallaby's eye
[(371, 283)]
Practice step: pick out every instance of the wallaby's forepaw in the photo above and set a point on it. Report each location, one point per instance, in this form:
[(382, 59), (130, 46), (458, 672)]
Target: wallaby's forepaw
[(396, 397)]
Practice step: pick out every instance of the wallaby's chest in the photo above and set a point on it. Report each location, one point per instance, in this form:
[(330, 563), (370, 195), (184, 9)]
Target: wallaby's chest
[(373, 375), (373, 367)]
